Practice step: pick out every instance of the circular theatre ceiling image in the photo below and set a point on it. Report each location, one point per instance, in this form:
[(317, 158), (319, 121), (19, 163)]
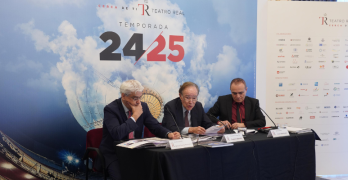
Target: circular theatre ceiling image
[(88, 105)]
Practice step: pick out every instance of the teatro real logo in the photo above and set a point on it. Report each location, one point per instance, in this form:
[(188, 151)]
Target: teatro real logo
[(333, 22), (144, 9)]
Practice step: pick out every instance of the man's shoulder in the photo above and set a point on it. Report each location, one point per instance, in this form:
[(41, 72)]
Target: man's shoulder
[(113, 104), (251, 99), (144, 104), (224, 98), (198, 104), (173, 102)]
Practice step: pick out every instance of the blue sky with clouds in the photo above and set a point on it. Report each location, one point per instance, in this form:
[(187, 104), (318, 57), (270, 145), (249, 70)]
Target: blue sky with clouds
[(49, 56)]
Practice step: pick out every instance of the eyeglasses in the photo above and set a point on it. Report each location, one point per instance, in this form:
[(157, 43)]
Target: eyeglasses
[(135, 98), (240, 93), (189, 98)]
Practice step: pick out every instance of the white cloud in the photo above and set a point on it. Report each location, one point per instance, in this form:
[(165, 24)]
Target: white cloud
[(235, 16), (46, 3), (90, 84), (229, 66), (41, 40)]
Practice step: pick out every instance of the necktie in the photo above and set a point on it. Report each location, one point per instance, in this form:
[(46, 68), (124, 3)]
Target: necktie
[(131, 134), (186, 119), (238, 115)]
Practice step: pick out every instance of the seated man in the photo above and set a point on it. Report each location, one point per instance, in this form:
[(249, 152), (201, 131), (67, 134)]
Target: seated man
[(124, 119), (187, 112), (237, 110)]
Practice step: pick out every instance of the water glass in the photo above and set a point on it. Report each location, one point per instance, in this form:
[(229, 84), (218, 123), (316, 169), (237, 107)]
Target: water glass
[(242, 130), (193, 137)]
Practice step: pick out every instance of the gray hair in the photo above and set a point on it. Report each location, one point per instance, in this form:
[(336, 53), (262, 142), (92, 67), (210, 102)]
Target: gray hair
[(130, 86)]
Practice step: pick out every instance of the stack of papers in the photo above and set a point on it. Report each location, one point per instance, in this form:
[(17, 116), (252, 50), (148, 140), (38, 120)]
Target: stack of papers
[(204, 138), (201, 138), (216, 144), (298, 130), (144, 143)]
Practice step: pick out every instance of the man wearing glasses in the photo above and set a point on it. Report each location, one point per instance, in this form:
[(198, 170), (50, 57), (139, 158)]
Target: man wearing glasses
[(124, 119), (236, 109), (187, 112)]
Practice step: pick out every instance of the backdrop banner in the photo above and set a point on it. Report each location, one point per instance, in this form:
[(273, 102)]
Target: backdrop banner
[(63, 61), (307, 66)]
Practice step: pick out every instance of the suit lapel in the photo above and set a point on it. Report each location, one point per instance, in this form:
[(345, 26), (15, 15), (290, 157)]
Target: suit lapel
[(229, 108), (122, 111), (179, 113), (247, 106), (194, 116), (123, 114)]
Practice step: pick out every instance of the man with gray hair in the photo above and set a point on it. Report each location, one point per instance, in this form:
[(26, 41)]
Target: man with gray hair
[(124, 119)]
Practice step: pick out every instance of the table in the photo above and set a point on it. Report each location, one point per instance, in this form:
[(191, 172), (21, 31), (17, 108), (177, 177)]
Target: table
[(258, 157)]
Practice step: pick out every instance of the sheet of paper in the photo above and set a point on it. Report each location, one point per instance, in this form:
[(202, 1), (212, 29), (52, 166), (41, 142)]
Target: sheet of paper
[(213, 130)]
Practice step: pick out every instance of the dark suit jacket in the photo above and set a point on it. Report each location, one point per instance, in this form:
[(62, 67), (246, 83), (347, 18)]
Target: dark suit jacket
[(198, 116), (223, 109), (117, 126)]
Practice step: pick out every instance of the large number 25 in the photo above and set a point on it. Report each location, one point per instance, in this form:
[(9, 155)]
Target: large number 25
[(155, 56)]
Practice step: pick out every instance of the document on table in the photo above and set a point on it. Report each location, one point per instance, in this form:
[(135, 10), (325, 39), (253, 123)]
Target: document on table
[(213, 130), (248, 130)]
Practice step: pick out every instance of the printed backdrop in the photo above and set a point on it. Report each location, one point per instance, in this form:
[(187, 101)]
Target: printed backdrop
[(61, 62)]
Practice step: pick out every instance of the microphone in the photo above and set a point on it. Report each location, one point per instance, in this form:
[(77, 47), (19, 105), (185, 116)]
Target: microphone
[(174, 122), (267, 129), (221, 122)]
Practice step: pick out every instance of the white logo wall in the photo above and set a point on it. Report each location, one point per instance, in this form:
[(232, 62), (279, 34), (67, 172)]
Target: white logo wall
[(307, 66)]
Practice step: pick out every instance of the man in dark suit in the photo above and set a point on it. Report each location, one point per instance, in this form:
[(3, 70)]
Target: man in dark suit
[(236, 109), (124, 119), (187, 112)]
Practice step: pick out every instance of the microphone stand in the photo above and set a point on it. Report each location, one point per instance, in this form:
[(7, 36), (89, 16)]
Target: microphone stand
[(174, 122), (266, 130), (268, 117)]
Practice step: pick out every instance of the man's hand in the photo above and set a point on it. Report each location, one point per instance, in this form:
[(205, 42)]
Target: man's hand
[(221, 131), (137, 111), (237, 125), (226, 123), (196, 130), (174, 135)]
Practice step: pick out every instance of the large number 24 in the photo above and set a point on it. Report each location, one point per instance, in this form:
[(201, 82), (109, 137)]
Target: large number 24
[(137, 40)]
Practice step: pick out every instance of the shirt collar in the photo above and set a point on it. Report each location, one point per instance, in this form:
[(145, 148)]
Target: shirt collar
[(124, 107), (184, 109), (234, 102)]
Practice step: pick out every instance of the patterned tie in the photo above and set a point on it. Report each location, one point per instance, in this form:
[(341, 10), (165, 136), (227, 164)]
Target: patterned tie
[(187, 124), (238, 115), (131, 134)]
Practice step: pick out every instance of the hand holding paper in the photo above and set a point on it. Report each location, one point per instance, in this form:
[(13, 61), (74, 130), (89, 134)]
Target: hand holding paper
[(215, 129)]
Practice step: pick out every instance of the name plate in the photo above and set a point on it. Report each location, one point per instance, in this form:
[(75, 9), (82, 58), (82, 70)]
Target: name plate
[(278, 133), (180, 143), (232, 138)]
